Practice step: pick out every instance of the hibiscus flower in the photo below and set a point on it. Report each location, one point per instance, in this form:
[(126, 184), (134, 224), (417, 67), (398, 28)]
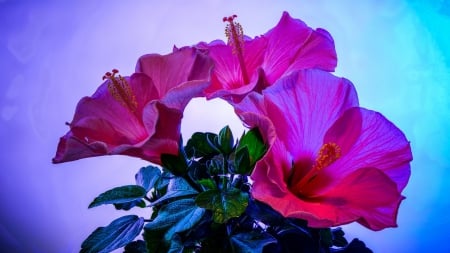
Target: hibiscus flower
[(245, 64), (138, 115), (330, 161)]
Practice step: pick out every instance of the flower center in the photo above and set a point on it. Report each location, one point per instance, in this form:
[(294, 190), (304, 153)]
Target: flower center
[(328, 154), (121, 90), (235, 36)]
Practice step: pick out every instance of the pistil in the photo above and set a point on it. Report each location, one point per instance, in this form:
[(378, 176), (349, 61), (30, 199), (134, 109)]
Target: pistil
[(328, 154), (120, 90), (235, 36)]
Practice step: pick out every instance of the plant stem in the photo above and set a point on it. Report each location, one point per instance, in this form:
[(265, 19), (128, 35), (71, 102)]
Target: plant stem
[(225, 171)]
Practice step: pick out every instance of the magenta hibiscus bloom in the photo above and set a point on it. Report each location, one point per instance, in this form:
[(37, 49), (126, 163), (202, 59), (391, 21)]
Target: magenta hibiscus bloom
[(246, 64), (138, 115), (330, 162)]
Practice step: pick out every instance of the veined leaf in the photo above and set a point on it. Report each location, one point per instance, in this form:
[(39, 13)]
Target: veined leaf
[(255, 145), (120, 195), (242, 161), (208, 183), (116, 235), (199, 146), (147, 177), (176, 164), (225, 139), (178, 187), (175, 217), (226, 204), (251, 242)]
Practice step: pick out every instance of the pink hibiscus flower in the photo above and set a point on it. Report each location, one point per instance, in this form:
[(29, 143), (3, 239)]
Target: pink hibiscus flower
[(138, 115), (330, 162), (246, 64)]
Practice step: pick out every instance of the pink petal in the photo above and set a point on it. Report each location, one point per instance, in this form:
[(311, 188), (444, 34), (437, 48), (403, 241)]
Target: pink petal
[(304, 105), (169, 71), (367, 195), (318, 52), (227, 75), (293, 45), (98, 114), (102, 125), (163, 125), (178, 97), (368, 139), (102, 133), (290, 46), (150, 124), (71, 148), (270, 173)]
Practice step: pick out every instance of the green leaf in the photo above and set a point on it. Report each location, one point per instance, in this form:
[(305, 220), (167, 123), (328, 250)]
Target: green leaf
[(226, 141), (119, 195), (147, 177), (199, 146), (242, 161), (164, 180), (116, 235), (214, 166), (255, 144), (264, 213), (178, 187), (208, 183), (176, 164), (225, 205), (251, 242), (176, 217), (154, 240), (326, 238)]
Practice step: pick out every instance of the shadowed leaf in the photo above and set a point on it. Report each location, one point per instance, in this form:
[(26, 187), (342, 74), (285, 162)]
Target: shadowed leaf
[(117, 234)]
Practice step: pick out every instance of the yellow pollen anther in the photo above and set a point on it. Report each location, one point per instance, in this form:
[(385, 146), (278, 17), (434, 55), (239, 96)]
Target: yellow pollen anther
[(235, 36), (328, 153), (120, 90)]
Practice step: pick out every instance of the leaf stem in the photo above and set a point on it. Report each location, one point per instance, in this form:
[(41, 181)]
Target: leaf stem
[(225, 171)]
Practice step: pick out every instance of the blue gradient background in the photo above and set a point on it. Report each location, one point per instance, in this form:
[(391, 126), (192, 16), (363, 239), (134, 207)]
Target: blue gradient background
[(397, 53)]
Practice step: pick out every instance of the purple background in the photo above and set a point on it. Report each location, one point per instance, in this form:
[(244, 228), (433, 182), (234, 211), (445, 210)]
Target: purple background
[(52, 53)]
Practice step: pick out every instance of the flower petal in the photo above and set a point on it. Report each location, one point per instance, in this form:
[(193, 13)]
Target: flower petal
[(178, 97), (270, 173), (169, 71), (293, 45), (145, 123), (227, 78), (163, 125), (368, 139), (367, 195), (71, 148), (290, 46), (304, 105)]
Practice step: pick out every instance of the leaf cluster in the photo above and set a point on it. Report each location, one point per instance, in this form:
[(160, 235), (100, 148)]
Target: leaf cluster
[(200, 201)]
